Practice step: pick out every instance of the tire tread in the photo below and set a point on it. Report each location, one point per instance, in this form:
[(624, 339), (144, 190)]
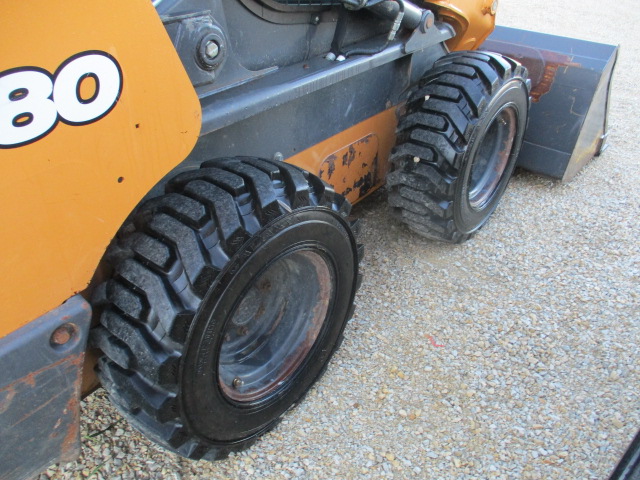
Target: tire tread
[(432, 138), (163, 267)]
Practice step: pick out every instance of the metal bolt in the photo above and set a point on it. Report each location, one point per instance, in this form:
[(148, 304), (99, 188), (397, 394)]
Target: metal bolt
[(237, 382), (278, 157), (212, 49), (63, 334), (315, 20), (427, 21)]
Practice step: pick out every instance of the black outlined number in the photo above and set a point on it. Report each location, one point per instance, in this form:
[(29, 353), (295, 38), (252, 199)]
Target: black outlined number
[(27, 112), (32, 101)]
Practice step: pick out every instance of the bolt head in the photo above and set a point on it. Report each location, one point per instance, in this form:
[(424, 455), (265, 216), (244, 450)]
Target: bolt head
[(212, 49), (427, 21), (63, 334), (237, 382)]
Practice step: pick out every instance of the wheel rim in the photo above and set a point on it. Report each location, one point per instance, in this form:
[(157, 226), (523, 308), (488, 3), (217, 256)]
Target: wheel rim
[(274, 327), (492, 158)]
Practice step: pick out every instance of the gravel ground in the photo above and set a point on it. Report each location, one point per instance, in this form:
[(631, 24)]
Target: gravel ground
[(534, 372)]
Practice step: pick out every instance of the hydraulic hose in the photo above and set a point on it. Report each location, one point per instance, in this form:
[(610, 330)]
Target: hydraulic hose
[(392, 33)]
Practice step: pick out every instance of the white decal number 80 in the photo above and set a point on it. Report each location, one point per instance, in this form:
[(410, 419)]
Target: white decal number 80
[(32, 100)]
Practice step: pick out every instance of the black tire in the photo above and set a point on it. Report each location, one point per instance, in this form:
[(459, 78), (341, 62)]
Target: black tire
[(229, 295), (458, 143)]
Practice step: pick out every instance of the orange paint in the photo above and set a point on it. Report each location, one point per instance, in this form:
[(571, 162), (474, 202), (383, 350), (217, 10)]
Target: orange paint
[(471, 19), (355, 161), (65, 195)]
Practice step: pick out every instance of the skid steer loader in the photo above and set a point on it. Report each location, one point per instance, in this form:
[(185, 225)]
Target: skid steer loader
[(177, 179)]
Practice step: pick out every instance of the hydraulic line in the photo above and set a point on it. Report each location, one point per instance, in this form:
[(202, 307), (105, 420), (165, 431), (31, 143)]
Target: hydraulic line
[(392, 32)]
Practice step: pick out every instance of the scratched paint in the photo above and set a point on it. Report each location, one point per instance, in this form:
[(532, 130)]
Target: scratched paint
[(353, 169), (40, 418)]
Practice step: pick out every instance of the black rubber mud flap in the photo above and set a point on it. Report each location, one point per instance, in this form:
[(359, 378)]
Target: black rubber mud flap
[(228, 297), (457, 144)]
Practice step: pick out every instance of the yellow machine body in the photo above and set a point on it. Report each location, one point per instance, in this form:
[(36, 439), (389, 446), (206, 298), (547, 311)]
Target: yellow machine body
[(473, 20), (65, 194)]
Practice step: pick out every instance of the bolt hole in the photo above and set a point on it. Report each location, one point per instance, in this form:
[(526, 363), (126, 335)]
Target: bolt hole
[(120, 179), (63, 335)]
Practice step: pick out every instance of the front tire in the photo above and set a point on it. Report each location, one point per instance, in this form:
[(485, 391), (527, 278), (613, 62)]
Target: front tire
[(228, 297), (458, 143)]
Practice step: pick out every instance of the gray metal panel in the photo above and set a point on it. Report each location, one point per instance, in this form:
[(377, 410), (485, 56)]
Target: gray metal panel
[(571, 82), (296, 81), (40, 385), (298, 106)]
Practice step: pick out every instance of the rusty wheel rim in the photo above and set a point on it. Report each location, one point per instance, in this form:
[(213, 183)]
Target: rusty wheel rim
[(492, 158), (274, 326)]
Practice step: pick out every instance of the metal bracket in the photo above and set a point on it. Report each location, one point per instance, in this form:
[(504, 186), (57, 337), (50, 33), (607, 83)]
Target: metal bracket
[(40, 381)]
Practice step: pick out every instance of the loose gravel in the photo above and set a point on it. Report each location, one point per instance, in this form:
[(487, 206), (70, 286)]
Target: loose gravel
[(513, 356)]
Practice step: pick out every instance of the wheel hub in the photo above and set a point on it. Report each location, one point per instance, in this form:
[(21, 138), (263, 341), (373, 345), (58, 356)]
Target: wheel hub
[(492, 158), (275, 326)]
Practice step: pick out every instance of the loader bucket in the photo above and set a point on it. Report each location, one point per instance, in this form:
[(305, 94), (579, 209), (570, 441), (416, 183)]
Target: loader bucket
[(571, 81)]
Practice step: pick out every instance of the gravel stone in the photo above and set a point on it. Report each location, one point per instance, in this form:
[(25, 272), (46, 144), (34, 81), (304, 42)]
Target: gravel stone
[(538, 373)]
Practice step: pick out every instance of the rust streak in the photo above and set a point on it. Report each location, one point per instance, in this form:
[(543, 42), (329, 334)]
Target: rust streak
[(543, 66), (545, 71), (64, 434), (31, 380), (5, 402), (36, 410), (69, 448)]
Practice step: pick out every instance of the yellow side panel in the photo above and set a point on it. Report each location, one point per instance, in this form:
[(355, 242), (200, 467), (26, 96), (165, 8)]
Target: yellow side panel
[(65, 193)]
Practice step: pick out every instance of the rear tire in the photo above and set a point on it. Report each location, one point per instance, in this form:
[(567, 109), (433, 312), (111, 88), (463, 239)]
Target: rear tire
[(457, 144), (228, 297)]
